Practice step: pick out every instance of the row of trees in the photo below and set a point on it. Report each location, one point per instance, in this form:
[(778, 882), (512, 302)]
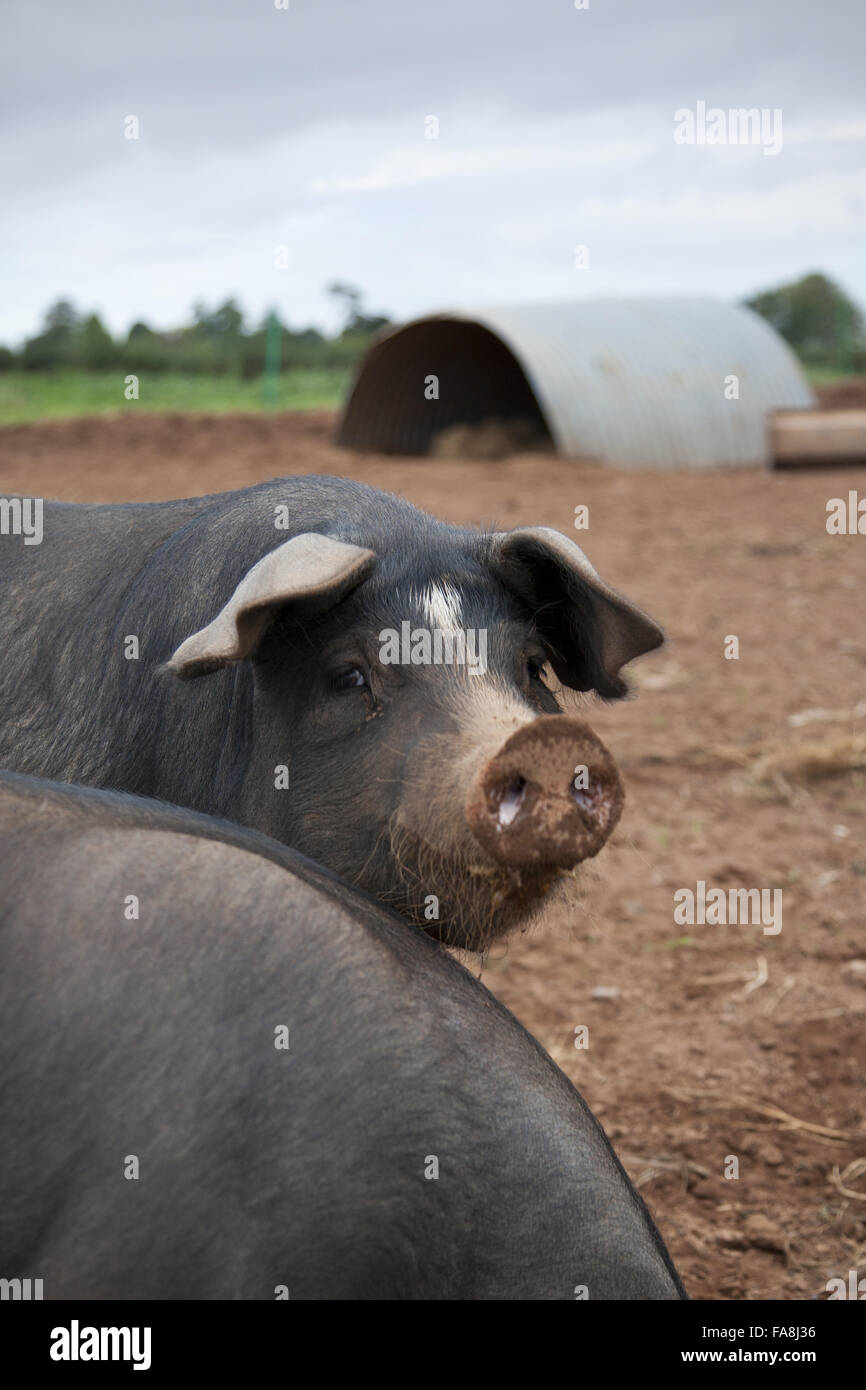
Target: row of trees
[(216, 342), (822, 325)]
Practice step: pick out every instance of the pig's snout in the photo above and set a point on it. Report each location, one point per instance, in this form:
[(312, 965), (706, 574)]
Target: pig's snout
[(550, 797)]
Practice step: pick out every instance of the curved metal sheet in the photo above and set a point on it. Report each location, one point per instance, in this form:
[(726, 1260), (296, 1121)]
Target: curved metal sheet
[(638, 383)]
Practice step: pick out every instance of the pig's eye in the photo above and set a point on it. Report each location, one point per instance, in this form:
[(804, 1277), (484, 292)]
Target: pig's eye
[(348, 680), (534, 669)]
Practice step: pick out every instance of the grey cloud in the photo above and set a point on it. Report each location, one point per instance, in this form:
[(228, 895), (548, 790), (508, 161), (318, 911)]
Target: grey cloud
[(259, 124)]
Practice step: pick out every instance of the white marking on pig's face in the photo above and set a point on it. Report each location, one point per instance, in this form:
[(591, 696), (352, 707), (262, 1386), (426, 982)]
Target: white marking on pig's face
[(442, 607)]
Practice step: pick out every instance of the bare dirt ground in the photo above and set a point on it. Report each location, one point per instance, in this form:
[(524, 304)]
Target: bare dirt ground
[(719, 1041), (846, 394)]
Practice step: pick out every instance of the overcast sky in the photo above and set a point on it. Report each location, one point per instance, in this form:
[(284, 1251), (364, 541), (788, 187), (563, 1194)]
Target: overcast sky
[(305, 128)]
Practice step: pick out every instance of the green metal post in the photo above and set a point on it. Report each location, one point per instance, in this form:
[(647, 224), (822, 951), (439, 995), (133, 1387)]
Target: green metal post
[(273, 350)]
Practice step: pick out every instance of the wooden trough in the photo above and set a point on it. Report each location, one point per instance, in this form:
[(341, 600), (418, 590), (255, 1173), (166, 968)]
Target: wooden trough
[(810, 438)]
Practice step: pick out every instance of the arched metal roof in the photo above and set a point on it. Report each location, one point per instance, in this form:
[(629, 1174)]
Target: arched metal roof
[(639, 383)]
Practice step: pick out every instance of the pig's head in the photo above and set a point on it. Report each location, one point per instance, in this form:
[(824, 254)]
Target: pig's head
[(408, 685)]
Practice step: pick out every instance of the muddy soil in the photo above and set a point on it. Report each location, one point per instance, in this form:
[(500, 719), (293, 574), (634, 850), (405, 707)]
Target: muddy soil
[(712, 1049)]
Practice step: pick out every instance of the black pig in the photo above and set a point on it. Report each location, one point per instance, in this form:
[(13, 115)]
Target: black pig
[(322, 661), (226, 1075)]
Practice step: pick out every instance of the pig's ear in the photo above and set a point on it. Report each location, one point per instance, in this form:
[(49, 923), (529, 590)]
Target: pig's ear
[(310, 571), (589, 629)]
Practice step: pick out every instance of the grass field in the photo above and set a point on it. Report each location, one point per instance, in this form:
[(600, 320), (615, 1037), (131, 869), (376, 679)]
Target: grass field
[(825, 376), (27, 396)]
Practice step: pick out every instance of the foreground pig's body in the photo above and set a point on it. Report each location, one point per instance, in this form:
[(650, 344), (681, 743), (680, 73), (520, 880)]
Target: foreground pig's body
[(269, 604), (281, 1059)]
